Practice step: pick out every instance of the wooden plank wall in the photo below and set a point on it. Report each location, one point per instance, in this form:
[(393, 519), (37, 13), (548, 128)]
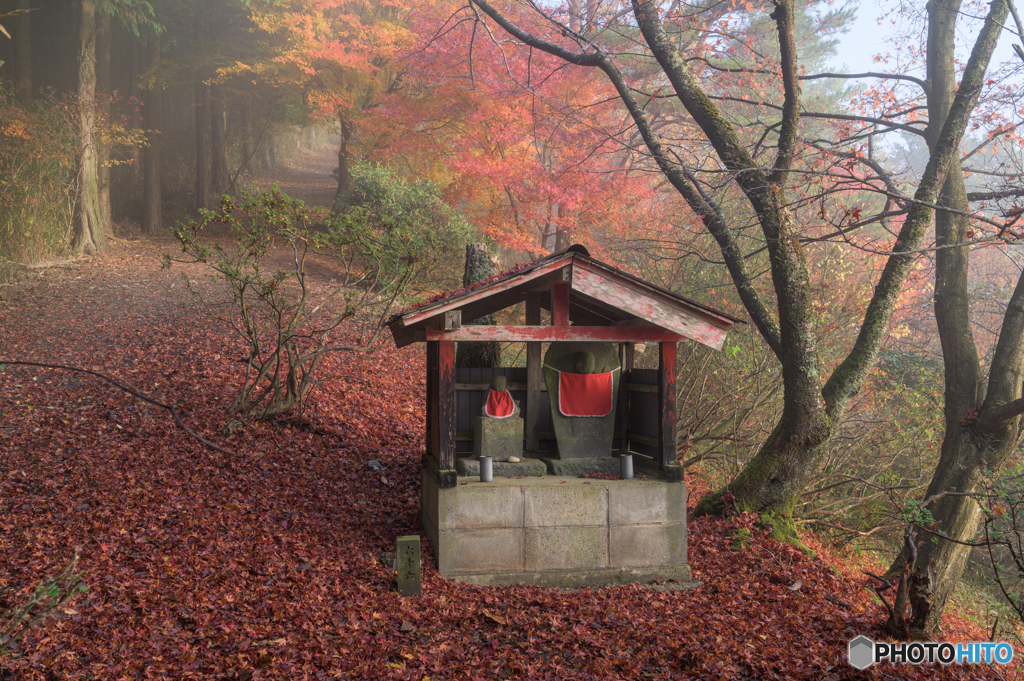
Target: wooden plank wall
[(470, 402), (643, 409), (643, 412)]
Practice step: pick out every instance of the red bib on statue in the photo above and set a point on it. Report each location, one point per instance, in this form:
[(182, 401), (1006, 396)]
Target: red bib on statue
[(499, 405), (585, 394)]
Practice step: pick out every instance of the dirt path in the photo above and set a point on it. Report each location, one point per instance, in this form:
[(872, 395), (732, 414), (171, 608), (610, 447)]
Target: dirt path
[(307, 176)]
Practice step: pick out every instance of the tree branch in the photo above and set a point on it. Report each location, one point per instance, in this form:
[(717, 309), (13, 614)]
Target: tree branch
[(714, 221), (850, 375), (131, 391), (789, 129), (869, 74), (993, 417)]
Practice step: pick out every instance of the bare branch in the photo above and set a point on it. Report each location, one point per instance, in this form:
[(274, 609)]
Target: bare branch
[(128, 389)]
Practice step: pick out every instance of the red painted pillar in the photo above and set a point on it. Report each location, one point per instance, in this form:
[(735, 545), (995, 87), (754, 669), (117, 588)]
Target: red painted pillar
[(446, 407), (432, 401), (667, 404), (560, 305)]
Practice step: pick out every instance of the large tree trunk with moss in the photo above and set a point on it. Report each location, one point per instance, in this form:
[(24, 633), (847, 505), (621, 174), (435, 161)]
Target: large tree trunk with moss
[(152, 199), (89, 236), (986, 444), (487, 354), (772, 481)]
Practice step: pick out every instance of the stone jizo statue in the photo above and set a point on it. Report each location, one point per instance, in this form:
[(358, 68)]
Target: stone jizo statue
[(499, 404), (499, 428)]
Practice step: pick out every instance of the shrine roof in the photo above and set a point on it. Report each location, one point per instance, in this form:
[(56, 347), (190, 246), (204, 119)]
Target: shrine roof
[(600, 295)]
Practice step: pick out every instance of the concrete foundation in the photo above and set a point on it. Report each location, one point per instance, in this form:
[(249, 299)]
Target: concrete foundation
[(557, 531)]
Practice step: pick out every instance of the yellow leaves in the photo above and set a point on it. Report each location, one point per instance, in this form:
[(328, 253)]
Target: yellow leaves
[(15, 124), (116, 135), (899, 331)]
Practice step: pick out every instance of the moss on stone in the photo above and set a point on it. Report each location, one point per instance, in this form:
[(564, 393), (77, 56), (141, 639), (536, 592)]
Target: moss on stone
[(498, 383), (585, 362)]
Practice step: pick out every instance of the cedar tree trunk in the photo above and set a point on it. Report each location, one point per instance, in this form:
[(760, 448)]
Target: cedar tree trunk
[(22, 35), (202, 144), (483, 355), (344, 162), (152, 200), (103, 89), (248, 148), (89, 236), (218, 141)]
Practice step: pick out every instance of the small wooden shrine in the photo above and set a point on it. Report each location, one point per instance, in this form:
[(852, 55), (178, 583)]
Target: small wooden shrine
[(538, 521)]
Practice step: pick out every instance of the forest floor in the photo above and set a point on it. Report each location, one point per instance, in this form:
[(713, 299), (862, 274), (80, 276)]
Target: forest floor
[(264, 563)]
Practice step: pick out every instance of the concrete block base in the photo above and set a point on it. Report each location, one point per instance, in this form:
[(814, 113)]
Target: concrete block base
[(469, 467), (557, 530), (570, 579), (573, 467)]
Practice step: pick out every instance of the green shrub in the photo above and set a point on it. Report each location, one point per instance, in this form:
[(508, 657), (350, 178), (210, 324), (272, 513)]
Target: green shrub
[(395, 236), (37, 177)]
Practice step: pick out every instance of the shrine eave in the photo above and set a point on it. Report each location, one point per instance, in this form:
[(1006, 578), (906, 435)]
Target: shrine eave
[(604, 304)]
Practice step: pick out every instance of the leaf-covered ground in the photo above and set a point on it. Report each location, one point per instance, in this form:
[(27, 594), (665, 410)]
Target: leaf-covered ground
[(264, 564)]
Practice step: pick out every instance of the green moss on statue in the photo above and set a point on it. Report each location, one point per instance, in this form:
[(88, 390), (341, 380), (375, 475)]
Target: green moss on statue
[(585, 362)]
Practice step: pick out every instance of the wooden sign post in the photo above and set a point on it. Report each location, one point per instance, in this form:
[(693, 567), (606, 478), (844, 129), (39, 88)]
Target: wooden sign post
[(408, 564)]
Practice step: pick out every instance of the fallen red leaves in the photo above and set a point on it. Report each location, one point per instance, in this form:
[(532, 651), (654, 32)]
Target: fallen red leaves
[(264, 564)]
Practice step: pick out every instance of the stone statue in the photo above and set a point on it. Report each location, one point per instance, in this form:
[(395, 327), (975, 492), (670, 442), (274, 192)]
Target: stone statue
[(498, 431), (499, 403), (583, 384)]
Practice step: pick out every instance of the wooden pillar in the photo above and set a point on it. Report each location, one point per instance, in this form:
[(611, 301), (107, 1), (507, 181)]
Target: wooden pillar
[(440, 456), (667, 411), (560, 305), (446, 411), (534, 377), (627, 354), (432, 401)]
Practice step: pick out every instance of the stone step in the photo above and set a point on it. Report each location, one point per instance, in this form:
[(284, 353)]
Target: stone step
[(470, 467)]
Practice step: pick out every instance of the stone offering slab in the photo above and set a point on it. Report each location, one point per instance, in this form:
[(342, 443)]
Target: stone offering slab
[(470, 467), (573, 467)]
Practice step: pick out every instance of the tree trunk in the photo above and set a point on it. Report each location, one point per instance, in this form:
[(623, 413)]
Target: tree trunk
[(484, 355), (273, 157), (967, 451), (344, 162), (152, 199), (248, 148), (22, 34), (220, 179), (89, 236), (103, 38), (202, 145), (263, 154)]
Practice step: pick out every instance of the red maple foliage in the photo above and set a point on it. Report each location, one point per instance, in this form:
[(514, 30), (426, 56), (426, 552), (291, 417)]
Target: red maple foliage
[(264, 563)]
